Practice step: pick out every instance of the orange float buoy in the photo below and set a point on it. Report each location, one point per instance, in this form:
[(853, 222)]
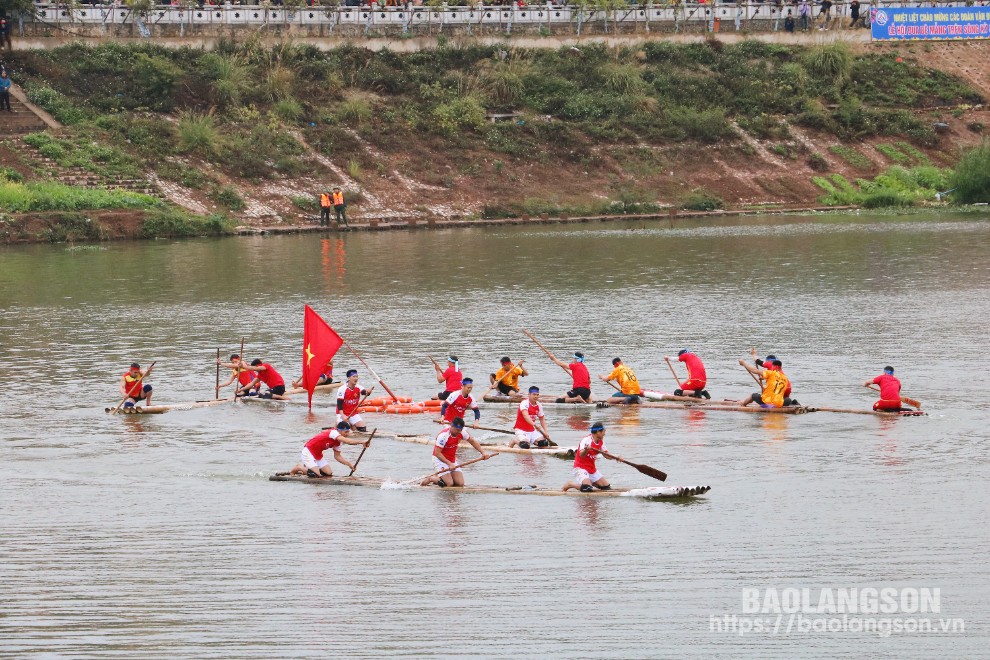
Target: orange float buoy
[(379, 401), (404, 399), (432, 403)]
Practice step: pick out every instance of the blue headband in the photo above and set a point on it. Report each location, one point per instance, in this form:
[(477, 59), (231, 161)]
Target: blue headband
[(467, 381), (597, 426), (351, 372), (534, 388)]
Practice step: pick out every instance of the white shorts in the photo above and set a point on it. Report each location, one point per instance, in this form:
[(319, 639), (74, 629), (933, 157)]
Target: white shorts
[(528, 436), (309, 461), (353, 420), (580, 475), (440, 465)]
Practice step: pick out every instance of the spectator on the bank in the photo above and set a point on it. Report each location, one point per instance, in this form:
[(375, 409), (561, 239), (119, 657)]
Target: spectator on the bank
[(5, 91), (804, 11), (825, 14), (789, 22), (854, 13), (5, 34), (778, 11)]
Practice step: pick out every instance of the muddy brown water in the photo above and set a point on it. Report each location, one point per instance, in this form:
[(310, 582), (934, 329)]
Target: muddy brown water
[(161, 536)]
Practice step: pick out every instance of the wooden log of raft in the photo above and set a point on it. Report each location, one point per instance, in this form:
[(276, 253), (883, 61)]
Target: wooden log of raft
[(649, 493)]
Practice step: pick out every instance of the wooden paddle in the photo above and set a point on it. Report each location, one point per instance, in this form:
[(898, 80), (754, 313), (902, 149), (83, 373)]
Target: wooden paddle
[(217, 389), (366, 445), (904, 399), (366, 366), (137, 382), (645, 469), (544, 349), (447, 469), (479, 428), (676, 379)]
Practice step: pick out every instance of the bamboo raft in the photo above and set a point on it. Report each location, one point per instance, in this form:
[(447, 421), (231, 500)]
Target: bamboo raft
[(651, 493), (158, 410), (560, 452)]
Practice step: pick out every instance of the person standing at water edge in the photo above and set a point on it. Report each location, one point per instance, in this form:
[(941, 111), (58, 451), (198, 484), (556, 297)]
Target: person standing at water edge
[(325, 209), (629, 389), (775, 383), (580, 391), (348, 397), (697, 378), (134, 386), (586, 473), (458, 403), (890, 391), (265, 373), (311, 461), (244, 376), (445, 455), (339, 207), (529, 416), (451, 378)]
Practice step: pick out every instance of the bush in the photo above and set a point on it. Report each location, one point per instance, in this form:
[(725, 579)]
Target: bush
[(971, 178), (198, 134), (817, 162), (228, 197), (703, 125), (459, 115), (354, 111), (288, 110), (50, 196), (831, 62), (176, 223), (700, 199)]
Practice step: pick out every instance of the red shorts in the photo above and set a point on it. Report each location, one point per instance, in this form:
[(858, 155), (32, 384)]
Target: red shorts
[(693, 384), (884, 404)]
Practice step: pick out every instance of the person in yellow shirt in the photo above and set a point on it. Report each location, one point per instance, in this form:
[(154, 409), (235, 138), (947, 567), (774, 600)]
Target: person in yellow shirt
[(629, 389), (507, 377), (774, 385)]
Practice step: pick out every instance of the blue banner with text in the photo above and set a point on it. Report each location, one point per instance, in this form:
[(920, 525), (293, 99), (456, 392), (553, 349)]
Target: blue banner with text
[(891, 24)]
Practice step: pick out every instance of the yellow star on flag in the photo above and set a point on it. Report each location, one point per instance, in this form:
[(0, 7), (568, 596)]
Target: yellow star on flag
[(309, 354)]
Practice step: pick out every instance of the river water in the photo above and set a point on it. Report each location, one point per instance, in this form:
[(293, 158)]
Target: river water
[(160, 536)]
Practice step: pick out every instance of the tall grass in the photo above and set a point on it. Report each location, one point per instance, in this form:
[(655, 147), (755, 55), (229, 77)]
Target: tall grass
[(198, 134), (830, 61), (971, 178), (50, 196)]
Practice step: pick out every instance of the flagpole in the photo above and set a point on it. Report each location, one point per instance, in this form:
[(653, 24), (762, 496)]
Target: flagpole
[(368, 367)]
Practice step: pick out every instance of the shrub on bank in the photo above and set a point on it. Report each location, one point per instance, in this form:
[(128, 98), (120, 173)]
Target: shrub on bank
[(971, 178), (176, 223)]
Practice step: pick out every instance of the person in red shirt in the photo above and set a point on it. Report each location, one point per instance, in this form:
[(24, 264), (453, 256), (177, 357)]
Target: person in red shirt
[(531, 425), (265, 373), (445, 455), (348, 397), (325, 378), (134, 386), (240, 373), (458, 403), (311, 461), (451, 378), (890, 391), (586, 474), (580, 391), (697, 378)]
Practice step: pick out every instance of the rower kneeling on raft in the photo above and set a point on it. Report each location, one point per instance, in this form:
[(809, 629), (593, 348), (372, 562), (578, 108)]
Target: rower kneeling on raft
[(134, 386), (775, 384), (697, 377), (445, 455), (586, 474), (265, 373), (311, 461), (506, 379), (890, 391), (451, 378), (241, 374), (629, 389), (580, 391), (531, 425)]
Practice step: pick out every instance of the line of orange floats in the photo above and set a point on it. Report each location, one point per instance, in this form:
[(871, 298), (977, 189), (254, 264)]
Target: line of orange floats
[(404, 406)]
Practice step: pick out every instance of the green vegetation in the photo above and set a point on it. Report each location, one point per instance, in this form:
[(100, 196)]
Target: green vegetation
[(971, 179), (175, 223), (700, 199), (891, 152), (898, 186), (46, 196), (852, 156)]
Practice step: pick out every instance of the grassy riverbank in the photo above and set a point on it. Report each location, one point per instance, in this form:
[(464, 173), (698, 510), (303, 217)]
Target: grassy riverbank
[(495, 131)]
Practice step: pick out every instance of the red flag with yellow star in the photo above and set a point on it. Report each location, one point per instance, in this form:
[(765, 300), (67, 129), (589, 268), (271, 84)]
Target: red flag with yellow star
[(320, 344)]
